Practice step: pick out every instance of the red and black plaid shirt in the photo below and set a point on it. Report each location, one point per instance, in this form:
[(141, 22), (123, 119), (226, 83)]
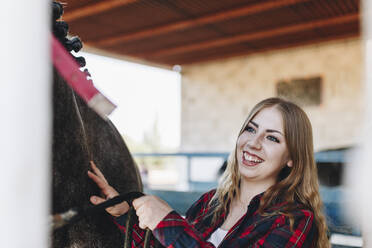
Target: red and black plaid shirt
[(252, 230)]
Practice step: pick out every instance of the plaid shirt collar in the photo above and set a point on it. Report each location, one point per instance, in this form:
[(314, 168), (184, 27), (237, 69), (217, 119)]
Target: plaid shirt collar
[(207, 228)]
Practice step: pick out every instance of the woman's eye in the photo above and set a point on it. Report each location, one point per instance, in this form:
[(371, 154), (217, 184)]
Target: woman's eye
[(250, 129), (272, 138)]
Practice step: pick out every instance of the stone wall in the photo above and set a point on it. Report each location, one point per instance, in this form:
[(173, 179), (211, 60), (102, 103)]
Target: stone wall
[(217, 96)]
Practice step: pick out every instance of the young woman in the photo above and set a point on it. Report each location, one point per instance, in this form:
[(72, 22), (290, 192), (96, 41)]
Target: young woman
[(268, 195)]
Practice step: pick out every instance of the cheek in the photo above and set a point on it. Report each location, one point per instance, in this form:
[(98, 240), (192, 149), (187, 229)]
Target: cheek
[(282, 155), (242, 140)]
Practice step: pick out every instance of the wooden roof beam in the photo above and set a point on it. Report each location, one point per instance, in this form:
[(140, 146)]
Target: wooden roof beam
[(250, 36), (255, 51), (93, 9), (219, 16)]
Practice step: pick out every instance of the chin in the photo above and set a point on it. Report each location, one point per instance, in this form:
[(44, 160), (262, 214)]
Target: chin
[(247, 173)]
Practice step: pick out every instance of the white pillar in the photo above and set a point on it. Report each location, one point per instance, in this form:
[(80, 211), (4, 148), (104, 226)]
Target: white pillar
[(359, 173), (366, 173), (25, 123)]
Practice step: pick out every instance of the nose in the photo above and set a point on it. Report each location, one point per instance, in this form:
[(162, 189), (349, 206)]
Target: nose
[(255, 142)]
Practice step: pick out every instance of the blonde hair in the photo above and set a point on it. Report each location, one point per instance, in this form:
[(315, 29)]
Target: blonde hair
[(296, 185)]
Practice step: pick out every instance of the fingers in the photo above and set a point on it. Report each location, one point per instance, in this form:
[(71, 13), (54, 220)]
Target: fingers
[(107, 192), (140, 211), (150, 211), (116, 210), (141, 223), (139, 206), (137, 203), (100, 183), (97, 171), (142, 216), (96, 200)]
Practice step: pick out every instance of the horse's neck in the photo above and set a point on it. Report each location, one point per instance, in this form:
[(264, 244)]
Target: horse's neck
[(70, 152), (80, 135), (109, 150), (78, 111)]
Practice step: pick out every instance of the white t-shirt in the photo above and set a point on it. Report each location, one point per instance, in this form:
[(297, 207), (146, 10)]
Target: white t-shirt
[(217, 237)]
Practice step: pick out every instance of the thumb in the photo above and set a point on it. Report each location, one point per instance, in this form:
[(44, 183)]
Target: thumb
[(96, 200)]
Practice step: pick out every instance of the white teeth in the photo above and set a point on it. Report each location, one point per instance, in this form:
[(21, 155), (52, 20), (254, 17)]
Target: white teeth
[(251, 158)]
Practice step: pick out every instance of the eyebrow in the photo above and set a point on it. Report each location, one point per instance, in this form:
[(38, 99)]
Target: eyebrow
[(267, 130)]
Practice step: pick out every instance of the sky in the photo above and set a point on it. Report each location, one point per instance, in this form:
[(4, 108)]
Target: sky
[(143, 94)]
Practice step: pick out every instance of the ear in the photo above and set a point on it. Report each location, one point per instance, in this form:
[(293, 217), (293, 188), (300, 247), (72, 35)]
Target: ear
[(290, 163)]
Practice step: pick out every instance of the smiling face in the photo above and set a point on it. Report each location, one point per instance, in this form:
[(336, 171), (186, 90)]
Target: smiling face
[(261, 148)]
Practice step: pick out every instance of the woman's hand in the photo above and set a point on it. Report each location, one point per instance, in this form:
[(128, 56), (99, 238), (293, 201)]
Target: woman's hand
[(150, 211), (107, 191)]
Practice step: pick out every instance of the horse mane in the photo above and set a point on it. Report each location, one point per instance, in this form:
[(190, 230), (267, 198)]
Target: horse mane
[(80, 135)]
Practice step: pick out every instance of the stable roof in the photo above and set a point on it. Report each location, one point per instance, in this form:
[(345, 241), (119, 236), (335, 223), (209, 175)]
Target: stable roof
[(170, 32)]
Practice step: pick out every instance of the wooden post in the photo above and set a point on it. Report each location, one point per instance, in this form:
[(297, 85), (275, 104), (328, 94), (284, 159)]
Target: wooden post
[(25, 123)]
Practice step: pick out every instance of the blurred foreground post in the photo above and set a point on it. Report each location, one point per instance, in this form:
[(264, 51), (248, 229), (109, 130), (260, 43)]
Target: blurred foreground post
[(25, 124), (360, 172), (367, 38)]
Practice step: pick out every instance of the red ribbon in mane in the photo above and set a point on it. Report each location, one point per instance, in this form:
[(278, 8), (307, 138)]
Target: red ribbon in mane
[(70, 71)]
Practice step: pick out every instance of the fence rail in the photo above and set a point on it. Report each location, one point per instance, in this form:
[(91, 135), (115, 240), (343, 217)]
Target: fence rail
[(188, 155), (335, 156)]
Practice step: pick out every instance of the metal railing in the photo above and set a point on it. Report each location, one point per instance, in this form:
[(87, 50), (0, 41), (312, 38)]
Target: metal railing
[(335, 156), (188, 155)]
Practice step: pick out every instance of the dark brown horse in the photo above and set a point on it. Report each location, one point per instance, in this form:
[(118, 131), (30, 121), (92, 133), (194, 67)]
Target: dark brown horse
[(80, 135)]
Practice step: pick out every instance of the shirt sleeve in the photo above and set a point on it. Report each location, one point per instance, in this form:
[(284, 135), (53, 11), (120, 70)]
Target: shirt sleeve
[(138, 234), (175, 231), (172, 231), (281, 235)]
